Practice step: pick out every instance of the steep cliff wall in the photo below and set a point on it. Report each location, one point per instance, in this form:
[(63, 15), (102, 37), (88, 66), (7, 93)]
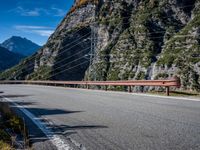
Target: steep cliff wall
[(149, 40)]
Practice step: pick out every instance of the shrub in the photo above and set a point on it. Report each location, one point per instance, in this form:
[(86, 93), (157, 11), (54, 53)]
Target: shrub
[(4, 146)]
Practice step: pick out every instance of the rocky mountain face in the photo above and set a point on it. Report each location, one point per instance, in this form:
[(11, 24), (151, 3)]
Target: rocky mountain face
[(20, 45), (8, 59), (129, 39)]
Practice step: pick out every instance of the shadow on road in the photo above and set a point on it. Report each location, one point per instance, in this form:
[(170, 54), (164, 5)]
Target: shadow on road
[(36, 136), (14, 96), (20, 103), (66, 130), (46, 112)]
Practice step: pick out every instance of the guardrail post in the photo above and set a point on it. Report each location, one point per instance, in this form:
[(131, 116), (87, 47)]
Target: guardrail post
[(129, 89), (106, 88), (167, 90)]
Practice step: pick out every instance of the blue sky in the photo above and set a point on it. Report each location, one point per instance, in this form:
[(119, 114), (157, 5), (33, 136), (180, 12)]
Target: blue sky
[(33, 19)]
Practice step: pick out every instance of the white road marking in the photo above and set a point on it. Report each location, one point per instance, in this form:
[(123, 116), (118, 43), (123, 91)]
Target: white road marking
[(55, 139), (167, 97)]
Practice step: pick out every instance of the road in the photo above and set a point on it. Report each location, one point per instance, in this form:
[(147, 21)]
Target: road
[(98, 120)]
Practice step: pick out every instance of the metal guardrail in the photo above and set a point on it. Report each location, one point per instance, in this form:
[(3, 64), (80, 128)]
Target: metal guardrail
[(174, 82)]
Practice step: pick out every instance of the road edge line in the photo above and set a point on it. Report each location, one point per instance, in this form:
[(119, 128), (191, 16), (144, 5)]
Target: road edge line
[(55, 139)]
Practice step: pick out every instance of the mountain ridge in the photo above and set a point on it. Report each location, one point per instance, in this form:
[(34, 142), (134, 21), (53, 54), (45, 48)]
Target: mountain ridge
[(8, 59), (20, 45)]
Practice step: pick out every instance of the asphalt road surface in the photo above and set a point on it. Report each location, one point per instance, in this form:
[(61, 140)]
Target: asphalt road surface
[(98, 120)]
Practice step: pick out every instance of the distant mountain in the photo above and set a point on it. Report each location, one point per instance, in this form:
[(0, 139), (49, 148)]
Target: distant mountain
[(20, 45), (8, 58)]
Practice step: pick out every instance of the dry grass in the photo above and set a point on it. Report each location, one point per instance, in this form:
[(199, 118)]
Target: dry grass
[(4, 146)]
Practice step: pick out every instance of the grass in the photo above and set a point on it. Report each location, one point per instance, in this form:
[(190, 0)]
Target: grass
[(4, 136), (10, 120), (4, 140), (4, 146), (177, 93)]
